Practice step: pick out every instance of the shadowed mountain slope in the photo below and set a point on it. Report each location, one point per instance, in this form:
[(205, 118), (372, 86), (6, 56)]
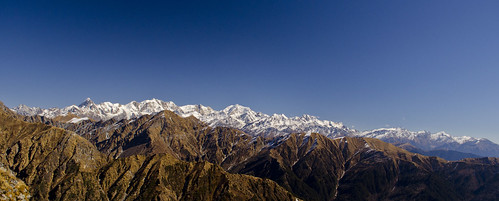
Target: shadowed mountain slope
[(319, 168)]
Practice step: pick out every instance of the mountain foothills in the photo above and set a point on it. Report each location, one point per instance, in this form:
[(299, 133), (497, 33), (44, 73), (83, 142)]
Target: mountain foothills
[(258, 124), (184, 153)]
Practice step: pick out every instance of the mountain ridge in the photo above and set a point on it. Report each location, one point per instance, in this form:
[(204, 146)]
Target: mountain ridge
[(168, 157), (258, 123), (235, 116)]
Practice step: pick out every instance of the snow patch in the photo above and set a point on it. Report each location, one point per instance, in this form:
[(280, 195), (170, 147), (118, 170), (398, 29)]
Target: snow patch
[(76, 120)]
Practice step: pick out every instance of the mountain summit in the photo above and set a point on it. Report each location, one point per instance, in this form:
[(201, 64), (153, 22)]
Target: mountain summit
[(87, 103)]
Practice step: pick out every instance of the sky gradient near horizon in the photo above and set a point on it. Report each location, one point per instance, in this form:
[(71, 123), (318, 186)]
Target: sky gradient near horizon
[(420, 65)]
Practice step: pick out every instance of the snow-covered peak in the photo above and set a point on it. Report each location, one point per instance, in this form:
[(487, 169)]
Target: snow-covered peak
[(307, 117), (26, 110), (235, 110), (197, 111), (441, 136), (102, 111), (279, 116), (23, 107), (87, 103)]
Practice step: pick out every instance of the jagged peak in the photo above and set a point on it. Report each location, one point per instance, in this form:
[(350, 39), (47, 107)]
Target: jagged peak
[(442, 133), (231, 109), (388, 129), (198, 106), (307, 116), (279, 116), (236, 106), (87, 102), (22, 106), (155, 100)]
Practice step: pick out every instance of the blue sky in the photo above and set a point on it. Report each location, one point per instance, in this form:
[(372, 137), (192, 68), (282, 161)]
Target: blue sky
[(420, 65)]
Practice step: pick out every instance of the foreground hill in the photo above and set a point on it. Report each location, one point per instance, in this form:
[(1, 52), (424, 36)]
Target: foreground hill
[(57, 164)]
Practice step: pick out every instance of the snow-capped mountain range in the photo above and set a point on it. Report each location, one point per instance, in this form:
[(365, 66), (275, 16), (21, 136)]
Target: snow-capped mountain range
[(234, 116), (434, 141), (257, 123)]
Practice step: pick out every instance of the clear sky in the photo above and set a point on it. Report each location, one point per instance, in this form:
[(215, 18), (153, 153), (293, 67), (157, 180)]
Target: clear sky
[(421, 65)]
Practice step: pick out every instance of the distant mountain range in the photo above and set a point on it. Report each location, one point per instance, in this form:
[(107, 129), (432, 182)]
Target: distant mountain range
[(257, 123), (435, 141), (234, 116)]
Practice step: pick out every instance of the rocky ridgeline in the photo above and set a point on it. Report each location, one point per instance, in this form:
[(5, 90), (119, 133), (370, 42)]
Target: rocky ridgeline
[(260, 124)]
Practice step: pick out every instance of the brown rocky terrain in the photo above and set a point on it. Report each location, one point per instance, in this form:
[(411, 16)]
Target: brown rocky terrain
[(318, 168), (11, 187)]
